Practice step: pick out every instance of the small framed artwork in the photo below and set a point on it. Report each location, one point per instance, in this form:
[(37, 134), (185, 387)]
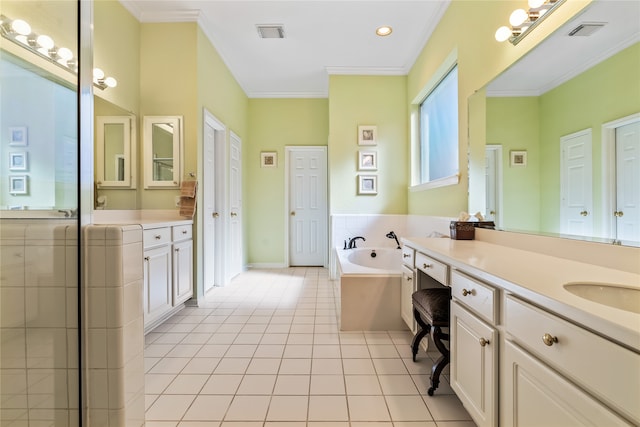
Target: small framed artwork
[(18, 136), (367, 184), (367, 160), (518, 158), (18, 161), (367, 135), (269, 159), (18, 184)]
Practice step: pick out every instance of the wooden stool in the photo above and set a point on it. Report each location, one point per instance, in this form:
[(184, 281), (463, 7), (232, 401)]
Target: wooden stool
[(431, 311)]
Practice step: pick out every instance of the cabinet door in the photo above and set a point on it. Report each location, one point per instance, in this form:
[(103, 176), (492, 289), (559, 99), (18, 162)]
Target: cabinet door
[(406, 305), (157, 283), (474, 358), (535, 395), (182, 271)]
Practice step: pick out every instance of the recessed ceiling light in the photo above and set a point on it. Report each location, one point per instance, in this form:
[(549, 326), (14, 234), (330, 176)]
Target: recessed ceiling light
[(385, 30)]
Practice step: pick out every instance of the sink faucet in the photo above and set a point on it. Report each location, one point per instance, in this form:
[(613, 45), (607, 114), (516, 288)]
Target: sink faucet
[(392, 235), (69, 213), (352, 242)]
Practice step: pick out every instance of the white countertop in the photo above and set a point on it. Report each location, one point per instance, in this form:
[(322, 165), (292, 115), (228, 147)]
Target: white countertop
[(145, 218), (540, 278)]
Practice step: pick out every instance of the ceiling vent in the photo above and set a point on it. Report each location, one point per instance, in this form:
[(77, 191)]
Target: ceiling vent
[(272, 31), (586, 29)]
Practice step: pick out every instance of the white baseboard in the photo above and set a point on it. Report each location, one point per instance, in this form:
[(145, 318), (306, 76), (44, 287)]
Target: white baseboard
[(266, 265)]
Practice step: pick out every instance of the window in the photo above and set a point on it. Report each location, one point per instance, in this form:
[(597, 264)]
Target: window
[(439, 130)]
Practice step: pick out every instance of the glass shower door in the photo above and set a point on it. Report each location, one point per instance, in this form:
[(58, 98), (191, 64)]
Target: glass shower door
[(39, 280)]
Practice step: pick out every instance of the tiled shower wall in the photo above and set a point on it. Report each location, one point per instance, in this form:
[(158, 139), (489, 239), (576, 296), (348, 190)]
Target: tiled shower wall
[(38, 323), (115, 334)]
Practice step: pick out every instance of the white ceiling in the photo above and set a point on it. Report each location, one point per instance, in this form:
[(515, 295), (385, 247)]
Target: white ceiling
[(560, 57), (322, 37)]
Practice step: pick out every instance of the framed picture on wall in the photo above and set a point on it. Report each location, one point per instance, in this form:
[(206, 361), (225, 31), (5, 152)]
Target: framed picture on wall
[(367, 160), (367, 135), (367, 184), (518, 158), (18, 161), (17, 184), (18, 136), (269, 159)]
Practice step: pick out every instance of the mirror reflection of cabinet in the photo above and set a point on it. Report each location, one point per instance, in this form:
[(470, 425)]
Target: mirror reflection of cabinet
[(162, 148), (115, 151)]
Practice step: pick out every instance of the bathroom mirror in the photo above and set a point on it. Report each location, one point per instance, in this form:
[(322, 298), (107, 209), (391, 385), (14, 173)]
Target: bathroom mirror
[(162, 149), (528, 113), (115, 151)]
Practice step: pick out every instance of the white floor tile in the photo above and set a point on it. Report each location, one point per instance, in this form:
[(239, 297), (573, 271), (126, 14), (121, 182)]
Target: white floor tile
[(397, 385), (327, 384), (408, 408), (201, 365), (208, 408), (292, 385), (222, 384), (328, 408), (295, 366), (364, 385), (248, 408), (169, 407), (368, 408), (232, 366), (257, 384), (288, 408)]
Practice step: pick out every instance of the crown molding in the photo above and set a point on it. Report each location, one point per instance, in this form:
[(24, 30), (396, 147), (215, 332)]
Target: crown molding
[(367, 71)]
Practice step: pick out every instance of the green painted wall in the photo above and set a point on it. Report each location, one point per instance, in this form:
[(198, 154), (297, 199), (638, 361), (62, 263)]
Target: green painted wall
[(606, 92), (275, 124), (368, 100), (514, 124), (468, 27)]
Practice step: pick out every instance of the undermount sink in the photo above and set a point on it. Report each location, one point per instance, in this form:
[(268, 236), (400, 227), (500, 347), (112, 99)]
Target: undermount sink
[(617, 296)]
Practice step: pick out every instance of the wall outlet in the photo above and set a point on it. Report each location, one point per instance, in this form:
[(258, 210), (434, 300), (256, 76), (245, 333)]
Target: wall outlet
[(177, 201)]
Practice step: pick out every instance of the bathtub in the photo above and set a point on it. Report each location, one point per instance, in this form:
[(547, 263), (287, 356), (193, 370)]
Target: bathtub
[(370, 289)]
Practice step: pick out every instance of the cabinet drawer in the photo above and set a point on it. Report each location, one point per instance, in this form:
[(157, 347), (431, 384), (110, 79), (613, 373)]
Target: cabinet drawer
[(604, 368), (182, 232), (156, 236), (408, 256), (433, 268), (480, 298)]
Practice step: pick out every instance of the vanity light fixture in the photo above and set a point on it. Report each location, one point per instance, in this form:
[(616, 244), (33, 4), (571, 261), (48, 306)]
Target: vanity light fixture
[(384, 30), (19, 32), (523, 21)]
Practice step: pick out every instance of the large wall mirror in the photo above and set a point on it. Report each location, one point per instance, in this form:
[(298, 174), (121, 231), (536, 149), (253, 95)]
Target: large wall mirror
[(555, 139)]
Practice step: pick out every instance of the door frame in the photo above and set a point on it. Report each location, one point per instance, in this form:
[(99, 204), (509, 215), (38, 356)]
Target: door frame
[(497, 152), (287, 159), (220, 200), (609, 172)]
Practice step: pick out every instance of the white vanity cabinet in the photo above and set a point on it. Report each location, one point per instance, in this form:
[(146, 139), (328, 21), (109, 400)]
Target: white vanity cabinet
[(409, 286), (182, 264), (168, 271), (474, 347), (571, 375), (157, 274)]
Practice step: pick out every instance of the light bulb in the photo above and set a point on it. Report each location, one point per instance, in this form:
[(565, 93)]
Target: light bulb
[(503, 33), (43, 51), (65, 53), (21, 27), (98, 73), (45, 42), (385, 30), (111, 82), (518, 17), (535, 3)]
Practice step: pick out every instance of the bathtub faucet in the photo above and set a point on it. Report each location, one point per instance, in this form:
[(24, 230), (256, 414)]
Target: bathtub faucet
[(392, 235), (352, 242)]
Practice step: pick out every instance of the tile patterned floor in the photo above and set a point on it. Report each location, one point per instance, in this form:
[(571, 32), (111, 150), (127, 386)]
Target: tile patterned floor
[(266, 351)]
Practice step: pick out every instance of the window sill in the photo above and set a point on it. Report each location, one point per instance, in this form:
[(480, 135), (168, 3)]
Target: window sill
[(442, 182)]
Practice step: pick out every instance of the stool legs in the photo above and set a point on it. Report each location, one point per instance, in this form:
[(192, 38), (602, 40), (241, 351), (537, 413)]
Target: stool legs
[(437, 335), (422, 332)]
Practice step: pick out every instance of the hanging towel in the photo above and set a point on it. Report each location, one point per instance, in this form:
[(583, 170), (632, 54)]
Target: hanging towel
[(189, 188)]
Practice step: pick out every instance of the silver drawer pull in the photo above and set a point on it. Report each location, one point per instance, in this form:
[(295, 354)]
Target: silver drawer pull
[(406, 255), (549, 339), (466, 292), (427, 265), (483, 342)]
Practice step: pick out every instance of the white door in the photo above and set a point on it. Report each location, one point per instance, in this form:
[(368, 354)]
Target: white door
[(493, 178), (576, 206), (628, 182), (307, 188), (214, 136), (235, 206)]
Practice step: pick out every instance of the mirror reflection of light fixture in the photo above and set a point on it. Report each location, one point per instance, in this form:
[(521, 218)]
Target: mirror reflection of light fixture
[(19, 32), (523, 21)]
